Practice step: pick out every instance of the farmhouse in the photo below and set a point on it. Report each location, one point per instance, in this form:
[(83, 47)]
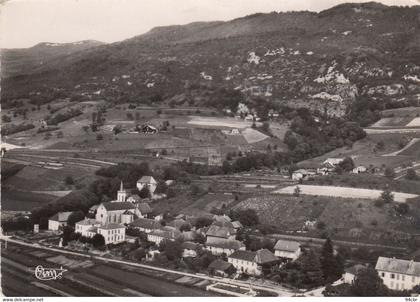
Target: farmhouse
[(147, 181), (398, 274), (145, 225), (221, 268), (351, 273), (302, 174), (58, 221), (219, 246), (359, 169), (287, 249), (332, 162), (85, 226), (113, 233), (157, 236), (252, 263)]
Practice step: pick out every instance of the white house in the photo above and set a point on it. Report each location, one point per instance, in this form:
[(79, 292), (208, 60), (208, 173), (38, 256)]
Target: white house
[(113, 233), (252, 263), (219, 246), (332, 161), (58, 221), (287, 249), (157, 236), (85, 226), (302, 174), (351, 273), (398, 274), (359, 169), (148, 181)]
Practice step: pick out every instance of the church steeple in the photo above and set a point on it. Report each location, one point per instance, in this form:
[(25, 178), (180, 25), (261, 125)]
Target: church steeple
[(122, 194)]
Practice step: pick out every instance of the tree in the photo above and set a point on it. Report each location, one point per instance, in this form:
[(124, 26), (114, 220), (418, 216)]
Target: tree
[(389, 173), (347, 164), (99, 137), (161, 187), (74, 217), (332, 267), (297, 191), (202, 222), (69, 180), (98, 241), (173, 249), (6, 119), (185, 227), (367, 283), (387, 196), (310, 268), (247, 217), (411, 174), (145, 192), (402, 208)]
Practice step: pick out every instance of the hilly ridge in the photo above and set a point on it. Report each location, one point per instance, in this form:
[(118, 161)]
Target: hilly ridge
[(319, 60)]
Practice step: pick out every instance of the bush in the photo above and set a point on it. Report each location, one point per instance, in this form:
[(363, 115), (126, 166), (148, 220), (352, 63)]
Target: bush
[(99, 137), (69, 180)]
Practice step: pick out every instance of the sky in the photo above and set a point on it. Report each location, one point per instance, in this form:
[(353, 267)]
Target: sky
[(24, 23)]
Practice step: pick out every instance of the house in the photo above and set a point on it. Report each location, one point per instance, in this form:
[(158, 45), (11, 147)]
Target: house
[(220, 232), (144, 209), (113, 233), (221, 268), (145, 225), (237, 225), (332, 161), (157, 236), (189, 249), (58, 221), (189, 235), (112, 212), (85, 226), (92, 209), (219, 246), (148, 129), (351, 272), (252, 263), (148, 181), (134, 198), (398, 274), (359, 169), (302, 174), (287, 249)]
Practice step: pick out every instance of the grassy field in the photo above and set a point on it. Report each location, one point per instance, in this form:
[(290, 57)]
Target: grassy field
[(343, 192), (12, 200), (347, 218)]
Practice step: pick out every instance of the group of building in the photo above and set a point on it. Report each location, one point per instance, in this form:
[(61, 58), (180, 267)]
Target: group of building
[(327, 167)]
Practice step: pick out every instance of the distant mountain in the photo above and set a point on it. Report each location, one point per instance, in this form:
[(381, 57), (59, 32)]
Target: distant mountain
[(319, 60), (18, 61)]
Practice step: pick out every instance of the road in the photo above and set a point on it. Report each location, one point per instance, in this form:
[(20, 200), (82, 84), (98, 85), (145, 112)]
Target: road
[(280, 291)]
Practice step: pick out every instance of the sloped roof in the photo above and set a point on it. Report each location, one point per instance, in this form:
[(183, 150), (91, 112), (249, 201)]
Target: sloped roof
[(147, 180), (265, 256), (222, 218), (177, 223), (146, 223), (60, 216), (118, 206), (87, 221), (227, 224), (243, 255), (217, 231), (111, 226), (220, 265), (189, 245), (190, 235), (399, 266), (237, 225), (93, 229), (287, 246), (354, 269), (166, 234), (144, 208), (230, 244)]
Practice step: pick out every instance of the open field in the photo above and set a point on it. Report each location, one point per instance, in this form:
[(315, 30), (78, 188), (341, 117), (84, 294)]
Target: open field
[(401, 112), (343, 192), (412, 150), (345, 218), (253, 136), (12, 200), (393, 122), (219, 122)]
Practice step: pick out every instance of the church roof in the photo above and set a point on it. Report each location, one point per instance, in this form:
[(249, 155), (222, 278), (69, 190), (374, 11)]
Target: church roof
[(118, 206), (111, 226)]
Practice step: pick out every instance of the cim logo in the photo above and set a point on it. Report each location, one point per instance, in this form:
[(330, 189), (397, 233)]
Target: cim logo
[(42, 273)]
